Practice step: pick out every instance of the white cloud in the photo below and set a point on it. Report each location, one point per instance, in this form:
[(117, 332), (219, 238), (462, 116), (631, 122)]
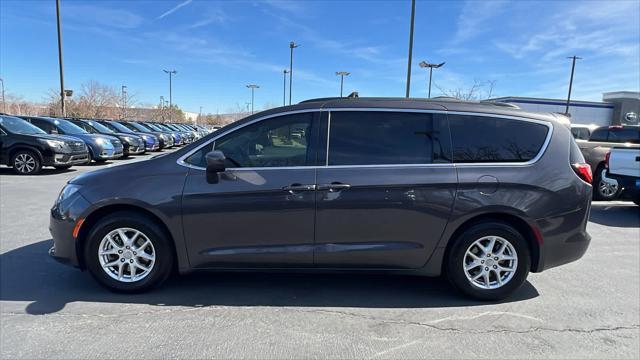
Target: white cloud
[(174, 9)]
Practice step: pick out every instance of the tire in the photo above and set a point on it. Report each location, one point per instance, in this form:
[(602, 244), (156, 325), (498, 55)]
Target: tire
[(63, 167), (26, 162), (603, 190), (160, 248), (483, 233), (100, 161)]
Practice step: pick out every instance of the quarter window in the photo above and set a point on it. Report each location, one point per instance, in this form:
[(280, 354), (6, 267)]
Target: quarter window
[(478, 139), (381, 137)]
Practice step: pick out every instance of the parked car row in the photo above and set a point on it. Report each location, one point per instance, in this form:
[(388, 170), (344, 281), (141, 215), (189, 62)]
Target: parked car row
[(595, 142), (27, 143)]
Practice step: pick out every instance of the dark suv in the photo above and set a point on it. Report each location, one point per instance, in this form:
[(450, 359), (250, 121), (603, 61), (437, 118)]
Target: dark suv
[(480, 192), (27, 149)]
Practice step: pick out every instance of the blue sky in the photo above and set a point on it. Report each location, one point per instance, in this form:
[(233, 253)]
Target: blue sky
[(218, 47)]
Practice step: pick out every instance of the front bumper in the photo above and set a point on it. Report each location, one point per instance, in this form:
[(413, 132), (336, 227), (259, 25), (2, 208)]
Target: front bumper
[(135, 150), (69, 159), (63, 218), (114, 153), (152, 147)]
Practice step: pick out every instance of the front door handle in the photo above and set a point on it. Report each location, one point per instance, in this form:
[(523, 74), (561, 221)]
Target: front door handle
[(334, 186), (299, 187)]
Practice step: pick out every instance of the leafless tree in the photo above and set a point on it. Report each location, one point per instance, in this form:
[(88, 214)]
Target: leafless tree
[(479, 90)]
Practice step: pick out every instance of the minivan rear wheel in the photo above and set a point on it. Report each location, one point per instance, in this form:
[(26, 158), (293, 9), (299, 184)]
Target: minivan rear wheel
[(128, 252), (489, 261)]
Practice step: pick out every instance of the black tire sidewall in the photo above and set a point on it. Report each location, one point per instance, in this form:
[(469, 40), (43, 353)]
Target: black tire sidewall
[(455, 271), (35, 156), (164, 256)]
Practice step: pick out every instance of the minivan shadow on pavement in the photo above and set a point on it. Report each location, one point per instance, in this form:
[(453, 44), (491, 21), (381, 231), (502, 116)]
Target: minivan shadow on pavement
[(618, 214), (45, 171), (49, 286)]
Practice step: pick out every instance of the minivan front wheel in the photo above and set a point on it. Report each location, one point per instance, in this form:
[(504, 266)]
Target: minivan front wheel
[(127, 252), (489, 261)]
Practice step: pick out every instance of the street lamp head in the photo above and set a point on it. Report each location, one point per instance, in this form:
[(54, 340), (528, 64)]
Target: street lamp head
[(343, 73), (253, 86), (170, 71), (286, 71), (293, 45), (424, 64)]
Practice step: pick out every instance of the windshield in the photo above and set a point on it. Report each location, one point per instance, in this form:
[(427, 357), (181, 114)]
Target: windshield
[(144, 126), (164, 127), (138, 127), (101, 128), (19, 126), (154, 127), (70, 128), (119, 127), (129, 126)]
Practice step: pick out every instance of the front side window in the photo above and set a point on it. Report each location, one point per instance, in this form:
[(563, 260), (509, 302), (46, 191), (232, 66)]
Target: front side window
[(480, 139), (383, 137), (276, 142)]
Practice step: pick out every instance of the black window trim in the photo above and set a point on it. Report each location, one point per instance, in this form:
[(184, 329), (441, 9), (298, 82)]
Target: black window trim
[(181, 160)]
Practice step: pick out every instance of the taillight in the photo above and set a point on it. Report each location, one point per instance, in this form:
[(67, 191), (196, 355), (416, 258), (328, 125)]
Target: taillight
[(606, 159), (584, 172)]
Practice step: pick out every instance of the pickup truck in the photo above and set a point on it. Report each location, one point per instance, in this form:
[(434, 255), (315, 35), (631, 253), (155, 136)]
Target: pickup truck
[(623, 165), (600, 142)]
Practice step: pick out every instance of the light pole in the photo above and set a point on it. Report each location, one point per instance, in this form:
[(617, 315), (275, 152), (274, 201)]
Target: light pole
[(284, 87), (60, 59), (253, 87), (413, 12), (342, 74), (170, 72), (199, 116), (124, 100), (424, 65), (292, 45), (4, 103), (573, 67)]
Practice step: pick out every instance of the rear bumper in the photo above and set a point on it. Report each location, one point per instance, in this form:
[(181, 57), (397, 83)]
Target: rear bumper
[(564, 238)]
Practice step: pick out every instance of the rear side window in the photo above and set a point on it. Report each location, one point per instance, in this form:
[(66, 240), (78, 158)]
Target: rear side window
[(599, 134), (478, 139), (382, 137), (622, 135)]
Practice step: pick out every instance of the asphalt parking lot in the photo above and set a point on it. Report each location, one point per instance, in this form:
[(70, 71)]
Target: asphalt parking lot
[(587, 309)]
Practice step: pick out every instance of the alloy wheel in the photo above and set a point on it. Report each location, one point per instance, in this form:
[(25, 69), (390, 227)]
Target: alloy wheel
[(126, 255), (607, 187), (25, 163), (490, 262)]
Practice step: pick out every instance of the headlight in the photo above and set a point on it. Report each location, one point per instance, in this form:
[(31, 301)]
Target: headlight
[(66, 192), (104, 142), (127, 139), (56, 145)]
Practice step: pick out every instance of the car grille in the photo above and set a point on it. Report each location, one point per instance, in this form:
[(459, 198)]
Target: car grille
[(77, 146)]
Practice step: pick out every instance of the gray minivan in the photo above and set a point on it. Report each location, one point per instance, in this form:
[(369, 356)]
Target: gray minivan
[(482, 193)]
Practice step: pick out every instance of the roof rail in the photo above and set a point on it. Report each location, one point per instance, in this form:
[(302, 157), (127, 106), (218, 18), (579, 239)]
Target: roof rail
[(501, 104)]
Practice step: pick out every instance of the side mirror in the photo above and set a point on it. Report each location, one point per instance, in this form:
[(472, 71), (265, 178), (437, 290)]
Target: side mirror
[(215, 162)]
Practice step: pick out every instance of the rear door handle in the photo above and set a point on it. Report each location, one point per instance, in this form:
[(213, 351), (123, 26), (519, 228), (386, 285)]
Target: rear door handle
[(334, 186), (299, 187)]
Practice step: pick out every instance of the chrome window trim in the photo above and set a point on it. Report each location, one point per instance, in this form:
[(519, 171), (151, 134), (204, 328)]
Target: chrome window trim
[(541, 152)]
